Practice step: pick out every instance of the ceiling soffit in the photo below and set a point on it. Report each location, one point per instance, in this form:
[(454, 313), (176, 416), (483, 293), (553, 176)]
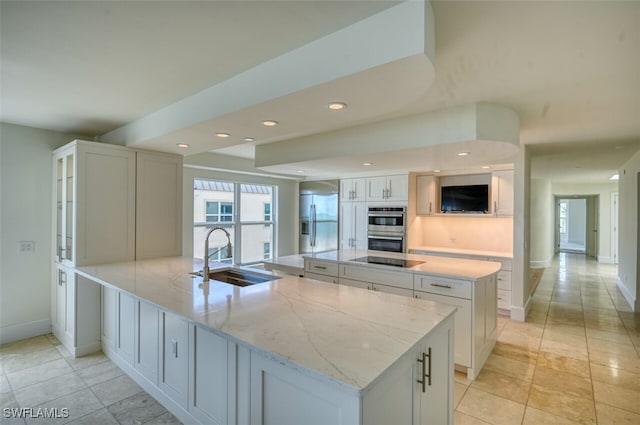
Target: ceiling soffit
[(399, 34)]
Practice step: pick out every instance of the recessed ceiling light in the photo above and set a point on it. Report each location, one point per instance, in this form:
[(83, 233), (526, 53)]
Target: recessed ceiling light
[(223, 135), (463, 153), (367, 163), (182, 145), (336, 106), (485, 166), (619, 147), (300, 171), (436, 171), (269, 123), (249, 139), (615, 177)]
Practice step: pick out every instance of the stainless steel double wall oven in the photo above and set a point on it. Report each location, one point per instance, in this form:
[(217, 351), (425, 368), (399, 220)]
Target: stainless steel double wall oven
[(386, 229)]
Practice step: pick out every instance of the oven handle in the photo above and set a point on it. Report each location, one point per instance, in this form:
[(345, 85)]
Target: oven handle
[(390, 238)]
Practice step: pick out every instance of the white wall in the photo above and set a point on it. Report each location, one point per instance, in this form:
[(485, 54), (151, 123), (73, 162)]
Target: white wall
[(25, 215), (629, 252), (604, 192), (542, 223)]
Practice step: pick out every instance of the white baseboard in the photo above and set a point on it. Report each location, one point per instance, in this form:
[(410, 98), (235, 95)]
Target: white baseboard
[(625, 292), (519, 314), (605, 260), (25, 330), (543, 264)]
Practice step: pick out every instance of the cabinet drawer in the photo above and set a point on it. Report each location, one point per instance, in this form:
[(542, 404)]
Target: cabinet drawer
[(321, 277), (374, 275), (504, 280), (443, 286), (504, 299), (321, 267)]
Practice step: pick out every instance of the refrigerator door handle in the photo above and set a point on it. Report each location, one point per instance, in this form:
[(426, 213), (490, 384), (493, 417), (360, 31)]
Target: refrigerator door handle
[(313, 225)]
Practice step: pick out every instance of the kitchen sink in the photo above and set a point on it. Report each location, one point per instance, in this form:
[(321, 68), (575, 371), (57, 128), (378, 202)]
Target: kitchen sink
[(239, 277)]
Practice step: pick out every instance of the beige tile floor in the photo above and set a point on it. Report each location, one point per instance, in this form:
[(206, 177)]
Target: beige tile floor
[(40, 373), (574, 361)]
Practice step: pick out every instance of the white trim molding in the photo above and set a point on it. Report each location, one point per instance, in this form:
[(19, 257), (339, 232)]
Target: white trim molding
[(605, 260), (519, 314), (543, 264), (25, 330), (625, 292)]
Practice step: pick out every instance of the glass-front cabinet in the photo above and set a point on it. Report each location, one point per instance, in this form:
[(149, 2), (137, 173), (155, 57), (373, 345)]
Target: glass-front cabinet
[(64, 204)]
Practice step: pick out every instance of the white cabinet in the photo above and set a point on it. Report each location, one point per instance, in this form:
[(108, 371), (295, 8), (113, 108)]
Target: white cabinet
[(126, 327), (173, 379), (109, 311), (388, 188), (379, 276), (212, 365), (475, 320), (326, 271), (352, 189), (146, 340), (94, 203), (377, 287), (73, 297), (502, 192), (426, 195), (158, 205), (353, 225), (282, 395), (110, 204)]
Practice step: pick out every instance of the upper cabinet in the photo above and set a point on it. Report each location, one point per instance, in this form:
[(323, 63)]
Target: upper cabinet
[(94, 202), (388, 188), (158, 205), (352, 189), (502, 193), (426, 195), (114, 204)]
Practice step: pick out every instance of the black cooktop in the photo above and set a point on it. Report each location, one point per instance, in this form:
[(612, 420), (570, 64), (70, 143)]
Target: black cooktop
[(385, 261)]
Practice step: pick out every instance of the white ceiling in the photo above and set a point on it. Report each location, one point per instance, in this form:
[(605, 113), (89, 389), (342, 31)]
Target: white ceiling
[(570, 70)]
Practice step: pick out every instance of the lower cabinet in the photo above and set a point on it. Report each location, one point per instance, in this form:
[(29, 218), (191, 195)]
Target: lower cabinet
[(211, 368), (204, 378), (174, 357), (74, 299), (377, 287)]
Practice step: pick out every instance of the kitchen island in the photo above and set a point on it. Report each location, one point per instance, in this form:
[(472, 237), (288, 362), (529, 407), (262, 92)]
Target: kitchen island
[(289, 350)]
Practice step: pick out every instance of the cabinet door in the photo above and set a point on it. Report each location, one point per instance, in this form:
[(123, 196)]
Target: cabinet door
[(434, 397), (109, 318), (376, 188), (346, 225), (491, 308), (146, 358), (106, 179), (358, 188), (502, 192), (59, 316), (321, 277), (392, 290), (281, 395), (125, 341), (346, 190), (397, 188), (64, 196), (355, 283), (462, 325), (158, 205), (425, 195), (359, 225), (174, 361), (210, 369)]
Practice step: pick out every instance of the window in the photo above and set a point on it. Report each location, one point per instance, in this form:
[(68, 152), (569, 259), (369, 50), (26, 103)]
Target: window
[(246, 211), (217, 212), (267, 212)]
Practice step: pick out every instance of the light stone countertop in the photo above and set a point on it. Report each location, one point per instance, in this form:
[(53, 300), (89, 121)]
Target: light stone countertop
[(348, 335), (437, 265), (293, 263), (463, 251)]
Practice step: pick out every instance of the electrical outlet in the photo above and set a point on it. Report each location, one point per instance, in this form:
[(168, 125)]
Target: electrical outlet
[(25, 247)]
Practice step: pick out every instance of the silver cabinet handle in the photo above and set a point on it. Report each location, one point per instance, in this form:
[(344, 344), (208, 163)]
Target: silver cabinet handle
[(63, 277), (430, 207), (441, 286), (426, 366), (320, 267), (495, 207), (174, 348)]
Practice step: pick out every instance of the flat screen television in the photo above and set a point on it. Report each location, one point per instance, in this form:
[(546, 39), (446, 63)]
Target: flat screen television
[(465, 199)]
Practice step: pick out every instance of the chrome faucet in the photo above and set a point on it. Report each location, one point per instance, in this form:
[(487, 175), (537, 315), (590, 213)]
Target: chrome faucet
[(205, 270)]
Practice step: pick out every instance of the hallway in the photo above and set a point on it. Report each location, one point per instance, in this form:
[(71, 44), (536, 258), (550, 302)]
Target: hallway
[(576, 360)]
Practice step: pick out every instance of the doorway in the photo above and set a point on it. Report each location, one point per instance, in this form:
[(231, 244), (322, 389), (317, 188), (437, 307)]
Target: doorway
[(577, 224)]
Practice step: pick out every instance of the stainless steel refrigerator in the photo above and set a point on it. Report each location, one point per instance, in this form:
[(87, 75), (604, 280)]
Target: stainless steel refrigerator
[(319, 216)]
